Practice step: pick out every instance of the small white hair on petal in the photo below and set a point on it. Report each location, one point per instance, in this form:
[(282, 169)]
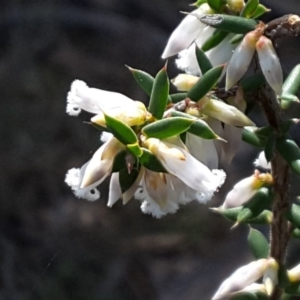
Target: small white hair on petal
[(78, 89), (149, 206), (73, 178), (220, 176), (87, 193)]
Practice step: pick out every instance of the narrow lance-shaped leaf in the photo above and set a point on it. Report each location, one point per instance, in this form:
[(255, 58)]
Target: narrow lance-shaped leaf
[(203, 61), (149, 161), (126, 180), (258, 244), (144, 80), (135, 149), (290, 88), (229, 213), (216, 5), (205, 84), (175, 98), (168, 127), (199, 2), (251, 138), (119, 161), (250, 8), (198, 127), (260, 10), (121, 131), (290, 152), (293, 215), (228, 23), (214, 40), (261, 200), (159, 94), (236, 39)]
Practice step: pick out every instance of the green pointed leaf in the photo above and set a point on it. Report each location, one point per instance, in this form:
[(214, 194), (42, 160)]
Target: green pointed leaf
[(126, 180), (98, 127), (149, 161), (258, 244), (217, 5), (251, 138), (260, 10), (168, 127), (198, 127), (121, 131), (265, 217), (260, 201), (159, 94), (228, 23), (250, 8), (119, 161), (229, 213), (214, 40), (203, 61), (290, 152), (293, 215), (199, 2), (286, 100), (252, 83), (144, 79), (236, 39), (177, 97), (270, 147), (205, 83), (135, 149)]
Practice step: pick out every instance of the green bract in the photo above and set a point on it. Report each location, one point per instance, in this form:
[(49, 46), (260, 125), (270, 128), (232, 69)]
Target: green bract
[(229, 23), (214, 40), (258, 244), (121, 131), (126, 179), (260, 10), (205, 83), (168, 127), (216, 5), (177, 97), (159, 94), (203, 62), (144, 80), (148, 160), (250, 8), (249, 136)]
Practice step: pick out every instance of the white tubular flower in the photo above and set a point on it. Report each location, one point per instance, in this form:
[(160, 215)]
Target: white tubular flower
[(178, 162), (93, 100), (226, 113), (294, 274), (241, 278), (270, 64), (261, 161), (133, 114), (270, 278), (203, 150), (183, 82), (246, 188), (186, 32), (83, 181)]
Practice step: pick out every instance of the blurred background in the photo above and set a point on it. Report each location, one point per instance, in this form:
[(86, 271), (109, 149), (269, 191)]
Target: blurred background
[(53, 245)]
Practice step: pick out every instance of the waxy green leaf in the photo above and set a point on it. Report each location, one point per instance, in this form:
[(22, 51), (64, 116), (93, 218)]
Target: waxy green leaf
[(258, 244), (205, 83), (119, 161), (236, 39), (214, 40), (290, 152), (121, 131), (252, 83), (198, 127), (168, 127), (177, 97), (260, 201), (250, 8), (229, 213), (203, 61), (228, 23), (199, 2), (251, 138), (159, 94), (144, 80), (260, 10), (216, 5), (293, 215), (149, 161), (135, 149)]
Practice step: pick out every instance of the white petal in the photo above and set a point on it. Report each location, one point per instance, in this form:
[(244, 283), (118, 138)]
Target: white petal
[(115, 192), (93, 100), (91, 194), (261, 161)]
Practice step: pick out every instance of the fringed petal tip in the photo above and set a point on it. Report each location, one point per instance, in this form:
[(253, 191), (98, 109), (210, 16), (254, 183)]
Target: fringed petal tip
[(78, 89), (150, 207), (73, 178), (87, 193), (220, 177)]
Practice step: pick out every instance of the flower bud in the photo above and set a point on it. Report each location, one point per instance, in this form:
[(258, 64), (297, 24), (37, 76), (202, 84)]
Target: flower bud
[(270, 278), (236, 5), (294, 274), (246, 188), (270, 64), (242, 57), (183, 82)]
